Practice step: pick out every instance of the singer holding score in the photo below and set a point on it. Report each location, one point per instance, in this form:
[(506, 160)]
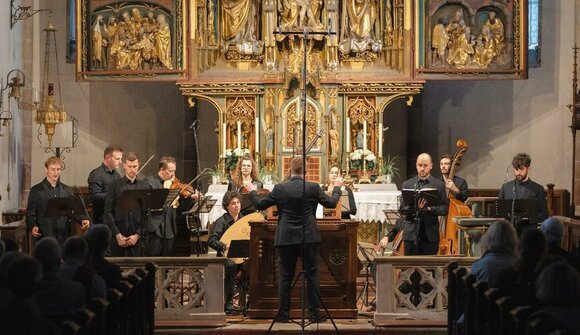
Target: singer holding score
[(421, 224), (522, 187)]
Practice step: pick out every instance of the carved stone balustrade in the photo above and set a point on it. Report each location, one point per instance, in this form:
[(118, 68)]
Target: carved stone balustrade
[(188, 290), (413, 288)]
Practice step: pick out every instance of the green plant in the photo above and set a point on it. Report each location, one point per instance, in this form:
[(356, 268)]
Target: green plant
[(268, 177), (217, 172), (390, 166)]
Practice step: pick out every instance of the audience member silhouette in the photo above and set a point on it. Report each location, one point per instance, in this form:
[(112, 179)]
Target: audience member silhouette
[(57, 298), (499, 246), (99, 237), (554, 231), (5, 262), (75, 254)]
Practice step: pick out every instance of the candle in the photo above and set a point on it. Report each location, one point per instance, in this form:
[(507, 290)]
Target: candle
[(347, 135), (257, 136), (239, 134), (364, 136), (224, 137), (380, 139)]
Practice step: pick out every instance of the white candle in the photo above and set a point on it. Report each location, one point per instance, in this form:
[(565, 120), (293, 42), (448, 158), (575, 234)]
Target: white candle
[(380, 139), (364, 136), (257, 135), (239, 134), (224, 129), (347, 135)]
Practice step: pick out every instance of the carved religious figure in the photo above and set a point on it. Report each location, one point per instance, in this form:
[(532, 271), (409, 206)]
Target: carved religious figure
[(100, 43), (439, 41), (497, 31), (485, 48), (163, 42), (334, 141), (358, 29), (299, 13), (460, 44), (240, 26)]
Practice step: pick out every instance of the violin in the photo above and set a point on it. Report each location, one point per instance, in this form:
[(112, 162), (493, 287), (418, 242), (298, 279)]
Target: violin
[(185, 190)]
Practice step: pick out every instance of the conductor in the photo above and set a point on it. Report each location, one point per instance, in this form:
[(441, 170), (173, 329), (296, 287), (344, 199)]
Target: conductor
[(296, 209)]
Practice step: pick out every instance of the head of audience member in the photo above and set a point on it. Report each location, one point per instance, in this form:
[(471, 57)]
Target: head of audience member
[(532, 248), (554, 231), (333, 173), (558, 284), (500, 238), (24, 277), (424, 165), (5, 263), (231, 203), (131, 165), (296, 168), (445, 164), (53, 167), (9, 244), (2, 248), (48, 252), (246, 168), (112, 156), (521, 164), (167, 167), (76, 249), (98, 236)]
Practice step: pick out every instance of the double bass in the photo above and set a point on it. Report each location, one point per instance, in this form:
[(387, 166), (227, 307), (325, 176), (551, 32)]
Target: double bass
[(448, 241)]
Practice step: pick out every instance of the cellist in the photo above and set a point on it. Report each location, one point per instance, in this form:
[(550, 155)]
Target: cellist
[(457, 186)]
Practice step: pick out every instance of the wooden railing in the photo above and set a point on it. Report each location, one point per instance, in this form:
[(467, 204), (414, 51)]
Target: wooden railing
[(128, 309), (413, 289), (475, 309)]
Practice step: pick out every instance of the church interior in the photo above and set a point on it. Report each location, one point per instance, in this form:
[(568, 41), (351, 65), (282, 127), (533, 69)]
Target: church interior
[(363, 85)]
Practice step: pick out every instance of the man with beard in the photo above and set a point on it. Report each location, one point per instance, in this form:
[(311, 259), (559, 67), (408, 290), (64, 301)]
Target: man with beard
[(420, 228), (456, 186), (522, 187)]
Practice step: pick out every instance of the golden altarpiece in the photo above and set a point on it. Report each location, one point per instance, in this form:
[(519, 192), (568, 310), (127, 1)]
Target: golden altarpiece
[(239, 56)]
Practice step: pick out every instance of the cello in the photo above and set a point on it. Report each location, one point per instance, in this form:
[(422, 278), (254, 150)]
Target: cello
[(448, 241)]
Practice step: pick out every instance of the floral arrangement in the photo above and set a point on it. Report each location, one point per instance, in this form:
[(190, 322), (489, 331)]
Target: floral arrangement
[(357, 156), (231, 157)]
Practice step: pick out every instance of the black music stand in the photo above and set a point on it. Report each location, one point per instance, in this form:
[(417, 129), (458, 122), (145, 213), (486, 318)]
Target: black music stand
[(239, 249), (366, 253), (64, 207), (520, 212), (144, 201), (204, 205)]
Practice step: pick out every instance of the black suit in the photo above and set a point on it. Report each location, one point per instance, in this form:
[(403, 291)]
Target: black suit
[(297, 213), (526, 190), (57, 227), (121, 221), (421, 233), (161, 227), (99, 180), (461, 184)]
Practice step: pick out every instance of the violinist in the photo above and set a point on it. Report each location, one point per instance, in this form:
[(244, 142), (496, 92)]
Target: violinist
[(333, 174), (162, 226)]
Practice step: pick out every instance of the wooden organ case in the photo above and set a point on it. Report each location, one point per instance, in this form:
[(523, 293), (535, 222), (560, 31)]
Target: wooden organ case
[(339, 267)]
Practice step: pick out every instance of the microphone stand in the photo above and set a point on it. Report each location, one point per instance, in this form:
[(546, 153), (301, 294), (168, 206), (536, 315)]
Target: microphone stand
[(197, 213), (304, 35)]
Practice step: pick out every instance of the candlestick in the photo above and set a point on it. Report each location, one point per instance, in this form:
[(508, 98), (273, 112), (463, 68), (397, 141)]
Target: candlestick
[(347, 135), (364, 136), (380, 140), (239, 134), (257, 135), (224, 137)]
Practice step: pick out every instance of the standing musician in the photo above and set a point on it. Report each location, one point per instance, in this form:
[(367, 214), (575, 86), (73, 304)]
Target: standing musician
[(232, 205), (125, 225), (162, 225), (50, 187), (297, 212), (522, 187), (333, 174), (101, 177), (246, 173), (420, 233), (458, 186)]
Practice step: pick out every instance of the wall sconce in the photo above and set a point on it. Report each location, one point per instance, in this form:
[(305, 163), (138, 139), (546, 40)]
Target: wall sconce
[(22, 13), (14, 84)]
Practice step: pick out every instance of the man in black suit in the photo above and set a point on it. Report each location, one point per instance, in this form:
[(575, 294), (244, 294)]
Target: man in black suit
[(296, 213), (126, 225), (456, 186), (101, 177), (420, 227), (522, 187), (41, 225)]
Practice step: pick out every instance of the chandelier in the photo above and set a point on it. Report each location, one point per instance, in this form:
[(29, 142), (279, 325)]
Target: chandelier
[(48, 112)]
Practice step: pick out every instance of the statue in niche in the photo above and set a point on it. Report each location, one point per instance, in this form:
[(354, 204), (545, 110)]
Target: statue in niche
[(100, 43), (497, 31), (163, 42), (484, 48), (358, 33), (300, 13), (240, 26), (460, 41), (334, 141), (439, 40), (269, 132)]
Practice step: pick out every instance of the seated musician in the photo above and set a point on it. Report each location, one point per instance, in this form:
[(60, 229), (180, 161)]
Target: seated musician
[(332, 175), (232, 205)]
